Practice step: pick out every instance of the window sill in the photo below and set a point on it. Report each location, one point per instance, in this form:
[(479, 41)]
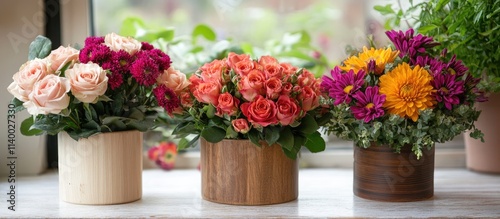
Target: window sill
[(322, 193)]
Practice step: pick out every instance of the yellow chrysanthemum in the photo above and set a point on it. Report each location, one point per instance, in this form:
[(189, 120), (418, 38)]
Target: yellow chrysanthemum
[(407, 91), (380, 56)]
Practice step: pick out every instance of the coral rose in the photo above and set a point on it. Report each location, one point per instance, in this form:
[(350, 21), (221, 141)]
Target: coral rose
[(214, 71), (309, 99), (252, 85), (49, 96), (227, 105), (240, 125), (88, 81), (260, 112), (288, 110), (24, 80), (273, 88), (207, 92)]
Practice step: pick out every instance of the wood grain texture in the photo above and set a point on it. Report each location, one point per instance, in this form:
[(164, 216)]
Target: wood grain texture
[(485, 156), (103, 169), (238, 172), (380, 174)]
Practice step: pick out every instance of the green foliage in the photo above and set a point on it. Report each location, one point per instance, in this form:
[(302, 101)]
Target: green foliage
[(470, 29), (39, 48)]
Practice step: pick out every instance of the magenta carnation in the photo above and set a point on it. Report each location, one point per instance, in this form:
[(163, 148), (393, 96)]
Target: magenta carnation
[(369, 104), (166, 98)]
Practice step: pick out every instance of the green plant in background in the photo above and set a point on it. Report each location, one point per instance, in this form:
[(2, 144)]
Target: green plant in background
[(188, 52), (470, 29)]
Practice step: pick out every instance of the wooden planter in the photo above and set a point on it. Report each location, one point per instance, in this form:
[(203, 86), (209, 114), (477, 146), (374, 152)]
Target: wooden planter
[(238, 172), (103, 169), (485, 156), (382, 175)]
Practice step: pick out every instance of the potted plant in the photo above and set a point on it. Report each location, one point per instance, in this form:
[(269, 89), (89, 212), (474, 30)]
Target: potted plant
[(98, 100), (399, 99), (471, 31), (253, 117)]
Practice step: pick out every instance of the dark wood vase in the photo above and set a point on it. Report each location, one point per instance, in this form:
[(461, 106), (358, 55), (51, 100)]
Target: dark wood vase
[(239, 173), (382, 175)]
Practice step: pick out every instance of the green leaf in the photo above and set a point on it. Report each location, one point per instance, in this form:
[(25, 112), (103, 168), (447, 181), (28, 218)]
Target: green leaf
[(298, 141), (18, 105), (425, 29), (39, 48), (130, 26), (441, 4), (230, 133), (184, 127), (254, 137), (271, 134), (213, 134), (247, 48), (286, 138), (308, 125), (184, 143), (315, 143), (26, 127), (384, 10), (210, 111), (290, 154), (205, 31)]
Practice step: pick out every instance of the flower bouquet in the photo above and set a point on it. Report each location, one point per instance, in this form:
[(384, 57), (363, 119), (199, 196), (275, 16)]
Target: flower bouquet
[(98, 99), (404, 100), (114, 83), (403, 96), (261, 100)]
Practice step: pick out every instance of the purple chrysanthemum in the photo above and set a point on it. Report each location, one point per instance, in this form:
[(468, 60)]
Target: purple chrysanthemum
[(455, 66), (144, 70), (160, 58), (166, 98), (326, 84), (345, 84), (435, 66), (410, 45), (121, 60), (96, 53), (369, 104), (448, 89)]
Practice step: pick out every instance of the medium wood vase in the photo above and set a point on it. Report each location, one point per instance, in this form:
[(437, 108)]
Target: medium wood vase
[(238, 172), (381, 174), (102, 169), (485, 156)]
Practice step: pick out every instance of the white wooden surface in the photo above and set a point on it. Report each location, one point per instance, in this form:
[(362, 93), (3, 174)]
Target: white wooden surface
[(322, 193)]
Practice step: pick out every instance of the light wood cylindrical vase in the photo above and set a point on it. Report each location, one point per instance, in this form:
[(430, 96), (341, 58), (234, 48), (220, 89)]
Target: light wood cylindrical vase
[(103, 169), (382, 175), (485, 156), (238, 172)]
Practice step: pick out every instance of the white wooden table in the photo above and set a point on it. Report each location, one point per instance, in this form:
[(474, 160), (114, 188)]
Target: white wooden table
[(322, 193)]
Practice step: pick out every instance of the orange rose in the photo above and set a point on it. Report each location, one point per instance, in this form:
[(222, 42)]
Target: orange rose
[(306, 78), (186, 99), (233, 58), (194, 82), (260, 112), (309, 99), (273, 70), (273, 88), (227, 105), (244, 67), (288, 69), (267, 60), (240, 125), (252, 85), (207, 92), (288, 110), (286, 88)]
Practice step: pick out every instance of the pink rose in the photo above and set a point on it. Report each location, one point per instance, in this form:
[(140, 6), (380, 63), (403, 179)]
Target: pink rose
[(227, 105), (88, 81), (240, 125), (286, 88), (208, 92), (252, 85), (288, 110), (194, 82), (214, 71), (309, 99), (173, 79), (244, 67), (116, 43), (49, 96), (273, 70), (24, 80), (260, 112), (61, 56), (273, 88)]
